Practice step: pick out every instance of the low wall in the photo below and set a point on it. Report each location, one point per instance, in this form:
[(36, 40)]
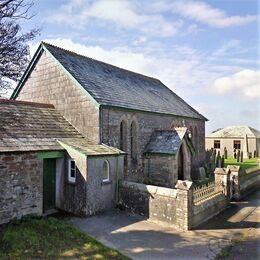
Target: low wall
[(249, 182), (157, 203), (208, 209), (20, 185), (170, 206), (244, 183)]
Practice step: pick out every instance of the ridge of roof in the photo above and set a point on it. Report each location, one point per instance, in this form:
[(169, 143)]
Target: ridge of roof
[(159, 98), (26, 103), (105, 63), (222, 132)]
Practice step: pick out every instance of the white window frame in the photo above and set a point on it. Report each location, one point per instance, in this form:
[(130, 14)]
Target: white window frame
[(71, 178), (108, 169)]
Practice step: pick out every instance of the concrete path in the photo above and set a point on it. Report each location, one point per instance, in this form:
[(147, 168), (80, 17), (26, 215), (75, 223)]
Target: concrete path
[(142, 239)]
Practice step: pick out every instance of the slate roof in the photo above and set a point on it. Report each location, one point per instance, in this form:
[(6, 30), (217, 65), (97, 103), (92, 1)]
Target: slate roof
[(235, 132), (27, 126), (113, 86), (166, 141), (89, 148)]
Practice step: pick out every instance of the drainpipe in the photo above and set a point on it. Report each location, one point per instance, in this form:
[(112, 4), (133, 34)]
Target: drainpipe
[(100, 124), (117, 182)]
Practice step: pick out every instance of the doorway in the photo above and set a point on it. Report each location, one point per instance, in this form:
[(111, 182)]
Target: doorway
[(49, 184), (180, 164)]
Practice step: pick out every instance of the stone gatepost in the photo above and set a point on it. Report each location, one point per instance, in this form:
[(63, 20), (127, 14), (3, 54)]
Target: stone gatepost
[(235, 180), (184, 204), (222, 177)]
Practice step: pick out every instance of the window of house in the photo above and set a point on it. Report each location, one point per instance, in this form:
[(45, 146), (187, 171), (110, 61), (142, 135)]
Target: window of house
[(133, 133), (237, 144), (105, 172), (72, 170), (216, 144)]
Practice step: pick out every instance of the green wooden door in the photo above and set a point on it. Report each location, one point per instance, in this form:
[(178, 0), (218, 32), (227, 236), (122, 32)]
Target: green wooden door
[(49, 183)]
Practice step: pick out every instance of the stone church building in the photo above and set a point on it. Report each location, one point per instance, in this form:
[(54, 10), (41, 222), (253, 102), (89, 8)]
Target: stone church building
[(162, 136)]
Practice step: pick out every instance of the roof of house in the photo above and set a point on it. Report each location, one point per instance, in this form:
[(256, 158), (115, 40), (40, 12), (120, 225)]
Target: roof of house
[(166, 141), (89, 148), (235, 132), (117, 87), (28, 126)]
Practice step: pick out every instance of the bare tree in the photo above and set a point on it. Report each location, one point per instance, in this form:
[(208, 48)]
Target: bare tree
[(14, 52)]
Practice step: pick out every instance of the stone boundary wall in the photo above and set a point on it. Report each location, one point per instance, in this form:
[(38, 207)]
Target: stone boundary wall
[(20, 185), (244, 183), (159, 204), (173, 207), (208, 209)]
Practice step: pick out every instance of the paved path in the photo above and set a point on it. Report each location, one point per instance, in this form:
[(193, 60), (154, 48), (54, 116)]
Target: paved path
[(142, 239)]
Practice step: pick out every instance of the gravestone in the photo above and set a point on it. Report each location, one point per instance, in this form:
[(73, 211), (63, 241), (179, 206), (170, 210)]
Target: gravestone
[(202, 173)]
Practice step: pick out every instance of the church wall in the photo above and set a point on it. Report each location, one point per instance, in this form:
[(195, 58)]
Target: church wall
[(146, 124), (48, 83)]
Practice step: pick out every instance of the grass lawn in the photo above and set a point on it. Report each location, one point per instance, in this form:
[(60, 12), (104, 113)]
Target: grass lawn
[(50, 238), (247, 163)]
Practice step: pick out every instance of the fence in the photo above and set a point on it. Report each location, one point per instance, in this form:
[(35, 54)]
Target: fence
[(206, 192)]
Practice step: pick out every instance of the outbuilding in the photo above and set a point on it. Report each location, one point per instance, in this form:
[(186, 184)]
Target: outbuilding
[(46, 164)]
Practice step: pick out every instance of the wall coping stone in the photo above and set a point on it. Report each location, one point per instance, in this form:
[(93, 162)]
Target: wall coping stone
[(222, 171), (155, 190), (233, 168), (184, 185)]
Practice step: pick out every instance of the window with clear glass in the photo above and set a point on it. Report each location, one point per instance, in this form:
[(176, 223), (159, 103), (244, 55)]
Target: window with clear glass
[(105, 171), (72, 170)]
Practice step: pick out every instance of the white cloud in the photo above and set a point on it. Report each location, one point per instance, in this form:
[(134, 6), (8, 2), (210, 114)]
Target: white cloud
[(227, 47), (204, 13), (246, 82), (124, 14)]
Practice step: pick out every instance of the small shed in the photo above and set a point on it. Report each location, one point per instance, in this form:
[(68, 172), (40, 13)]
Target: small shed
[(46, 164), (168, 157)]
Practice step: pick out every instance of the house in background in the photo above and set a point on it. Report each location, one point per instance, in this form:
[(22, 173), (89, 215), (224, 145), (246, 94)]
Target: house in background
[(46, 164), (244, 138), (111, 105)]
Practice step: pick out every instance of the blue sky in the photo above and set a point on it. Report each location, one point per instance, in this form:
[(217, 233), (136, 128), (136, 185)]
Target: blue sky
[(205, 51)]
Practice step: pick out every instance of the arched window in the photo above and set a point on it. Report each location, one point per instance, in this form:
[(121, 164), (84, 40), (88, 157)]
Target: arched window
[(105, 171), (196, 138), (133, 133), (123, 136), (191, 134)]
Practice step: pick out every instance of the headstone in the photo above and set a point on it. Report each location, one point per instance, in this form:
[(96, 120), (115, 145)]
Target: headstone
[(245, 148), (241, 156), (222, 161), (225, 152), (238, 155), (235, 154), (202, 173)]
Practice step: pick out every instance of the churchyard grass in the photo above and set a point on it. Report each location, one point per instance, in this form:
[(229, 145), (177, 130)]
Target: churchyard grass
[(247, 163), (34, 238)]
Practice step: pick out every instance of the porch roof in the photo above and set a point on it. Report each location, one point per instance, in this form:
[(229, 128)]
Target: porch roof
[(166, 141), (89, 148)]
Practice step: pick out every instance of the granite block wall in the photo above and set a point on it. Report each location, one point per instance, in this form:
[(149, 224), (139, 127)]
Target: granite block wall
[(48, 83), (20, 185), (146, 124)]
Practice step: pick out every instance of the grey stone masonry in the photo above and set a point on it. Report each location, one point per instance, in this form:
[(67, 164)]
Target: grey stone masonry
[(146, 124), (48, 83), (159, 204), (20, 185)]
